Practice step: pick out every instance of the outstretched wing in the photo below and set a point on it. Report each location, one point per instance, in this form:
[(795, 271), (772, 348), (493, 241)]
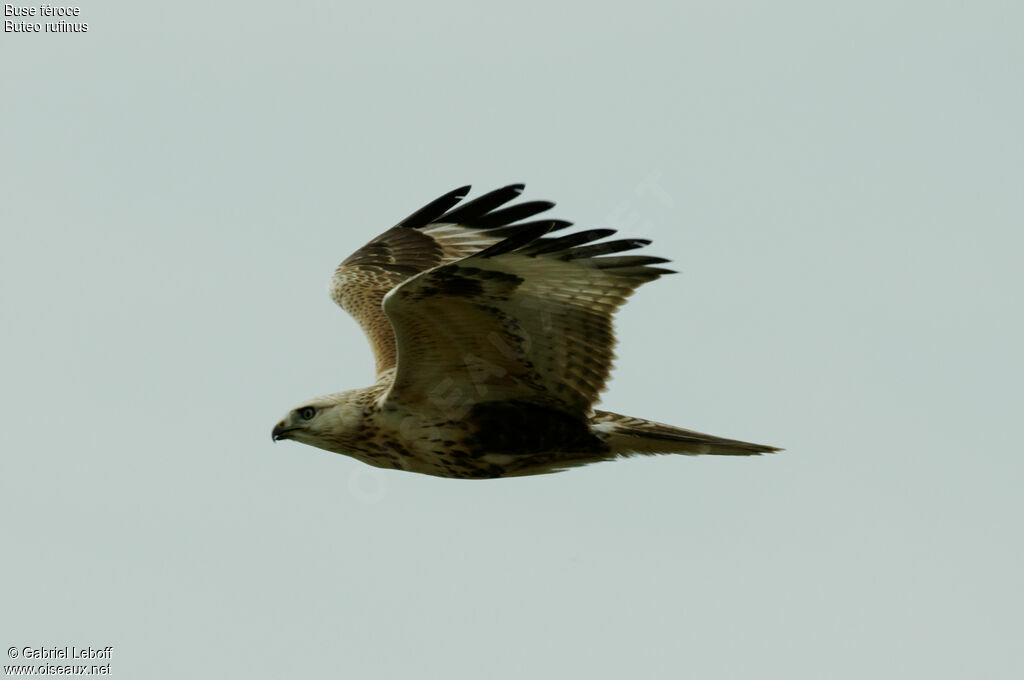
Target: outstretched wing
[(527, 320), (433, 235)]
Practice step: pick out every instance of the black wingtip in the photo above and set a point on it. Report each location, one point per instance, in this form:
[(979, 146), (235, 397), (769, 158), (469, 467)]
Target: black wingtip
[(506, 216), (435, 209), (566, 242), (467, 213), (521, 236)]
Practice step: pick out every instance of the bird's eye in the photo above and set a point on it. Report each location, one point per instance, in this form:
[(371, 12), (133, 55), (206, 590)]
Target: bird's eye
[(307, 413)]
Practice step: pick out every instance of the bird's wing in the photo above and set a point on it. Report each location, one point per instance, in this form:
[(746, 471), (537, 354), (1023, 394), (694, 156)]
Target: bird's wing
[(526, 320), (434, 235)]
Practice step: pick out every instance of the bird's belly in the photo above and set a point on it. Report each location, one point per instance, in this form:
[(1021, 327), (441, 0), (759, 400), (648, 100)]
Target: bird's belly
[(486, 442), (433, 446)]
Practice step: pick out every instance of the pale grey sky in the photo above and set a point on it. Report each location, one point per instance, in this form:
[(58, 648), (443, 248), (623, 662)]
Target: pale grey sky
[(839, 185)]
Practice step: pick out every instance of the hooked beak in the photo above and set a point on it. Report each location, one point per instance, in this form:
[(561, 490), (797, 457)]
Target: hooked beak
[(281, 432)]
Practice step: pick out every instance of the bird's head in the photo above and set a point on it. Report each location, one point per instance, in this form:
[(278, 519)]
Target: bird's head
[(330, 422)]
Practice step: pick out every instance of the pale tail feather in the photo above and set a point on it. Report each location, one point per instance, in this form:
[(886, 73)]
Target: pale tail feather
[(626, 435)]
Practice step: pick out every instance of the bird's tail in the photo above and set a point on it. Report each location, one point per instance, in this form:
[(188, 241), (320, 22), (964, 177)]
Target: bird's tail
[(626, 435)]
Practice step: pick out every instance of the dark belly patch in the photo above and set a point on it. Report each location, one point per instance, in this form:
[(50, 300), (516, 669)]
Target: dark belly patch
[(516, 428)]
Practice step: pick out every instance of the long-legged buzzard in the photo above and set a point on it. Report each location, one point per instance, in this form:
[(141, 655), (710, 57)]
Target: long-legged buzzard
[(492, 341)]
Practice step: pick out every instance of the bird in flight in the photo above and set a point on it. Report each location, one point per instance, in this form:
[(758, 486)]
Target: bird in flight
[(492, 340)]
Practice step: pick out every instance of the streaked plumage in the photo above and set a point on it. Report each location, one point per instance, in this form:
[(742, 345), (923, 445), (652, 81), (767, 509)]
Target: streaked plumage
[(492, 340)]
